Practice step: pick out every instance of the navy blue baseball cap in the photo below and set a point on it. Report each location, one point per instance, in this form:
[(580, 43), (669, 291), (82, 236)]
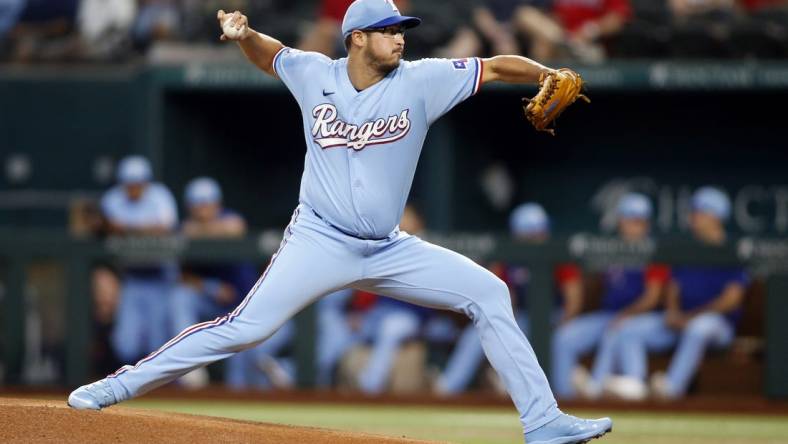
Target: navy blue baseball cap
[(370, 14)]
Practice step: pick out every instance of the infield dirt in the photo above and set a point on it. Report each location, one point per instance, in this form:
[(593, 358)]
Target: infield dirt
[(42, 421)]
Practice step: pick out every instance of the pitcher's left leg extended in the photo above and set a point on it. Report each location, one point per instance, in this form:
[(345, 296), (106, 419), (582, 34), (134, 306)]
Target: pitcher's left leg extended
[(416, 271)]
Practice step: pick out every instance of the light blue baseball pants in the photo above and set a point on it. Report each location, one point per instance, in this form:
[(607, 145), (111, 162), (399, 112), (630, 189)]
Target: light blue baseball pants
[(315, 259), (576, 338), (648, 332)]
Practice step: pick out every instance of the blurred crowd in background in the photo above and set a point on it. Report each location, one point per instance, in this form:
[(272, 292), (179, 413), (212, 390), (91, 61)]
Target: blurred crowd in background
[(607, 324), (585, 30)]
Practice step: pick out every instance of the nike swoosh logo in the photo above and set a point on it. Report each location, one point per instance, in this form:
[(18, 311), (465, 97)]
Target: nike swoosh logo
[(327, 93)]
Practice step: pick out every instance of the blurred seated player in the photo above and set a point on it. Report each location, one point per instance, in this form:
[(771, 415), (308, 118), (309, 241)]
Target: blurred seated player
[(703, 306), (529, 224), (210, 290), (535, 22), (491, 27), (587, 25), (492, 19), (139, 207), (628, 291)]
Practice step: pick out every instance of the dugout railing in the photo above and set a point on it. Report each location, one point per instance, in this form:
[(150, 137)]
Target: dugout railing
[(765, 258)]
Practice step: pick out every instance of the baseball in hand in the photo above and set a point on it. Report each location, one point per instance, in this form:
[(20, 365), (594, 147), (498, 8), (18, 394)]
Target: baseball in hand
[(233, 25)]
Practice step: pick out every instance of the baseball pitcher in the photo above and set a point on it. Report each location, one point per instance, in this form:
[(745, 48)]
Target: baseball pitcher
[(365, 118)]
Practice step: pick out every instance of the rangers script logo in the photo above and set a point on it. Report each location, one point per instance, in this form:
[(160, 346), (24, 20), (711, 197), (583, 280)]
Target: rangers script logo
[(329, 131)]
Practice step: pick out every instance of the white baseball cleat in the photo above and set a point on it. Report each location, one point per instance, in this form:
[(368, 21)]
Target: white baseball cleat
[(93, 396)]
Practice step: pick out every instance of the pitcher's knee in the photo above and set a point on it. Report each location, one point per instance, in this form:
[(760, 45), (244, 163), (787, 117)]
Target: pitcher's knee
[(488, 297), (495, 291)]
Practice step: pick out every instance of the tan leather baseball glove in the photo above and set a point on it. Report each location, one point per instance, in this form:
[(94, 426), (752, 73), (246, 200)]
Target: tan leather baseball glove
[(557, 90)]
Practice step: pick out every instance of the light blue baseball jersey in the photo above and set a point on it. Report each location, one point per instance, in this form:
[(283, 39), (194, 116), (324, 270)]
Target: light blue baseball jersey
[(363, 146), (156, 206)]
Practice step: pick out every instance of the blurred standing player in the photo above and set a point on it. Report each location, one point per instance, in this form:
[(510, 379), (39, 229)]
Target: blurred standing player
[(365, 120), (628, 291), (703, 306), (139, 207), (528, 223), (210, 290)]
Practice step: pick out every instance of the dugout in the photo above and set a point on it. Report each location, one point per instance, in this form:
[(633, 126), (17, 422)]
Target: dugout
[(660, 128)]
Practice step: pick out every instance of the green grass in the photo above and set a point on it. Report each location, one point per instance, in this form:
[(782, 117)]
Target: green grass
[(489, 425)]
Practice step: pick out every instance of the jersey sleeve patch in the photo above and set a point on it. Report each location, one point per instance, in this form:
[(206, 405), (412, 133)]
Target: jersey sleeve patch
[(460, 63)]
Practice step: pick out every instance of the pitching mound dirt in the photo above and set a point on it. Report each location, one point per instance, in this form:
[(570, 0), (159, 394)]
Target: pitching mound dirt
[(34, 421)]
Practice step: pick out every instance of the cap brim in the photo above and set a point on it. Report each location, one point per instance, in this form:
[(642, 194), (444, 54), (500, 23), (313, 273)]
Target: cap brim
[(405, 21)]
